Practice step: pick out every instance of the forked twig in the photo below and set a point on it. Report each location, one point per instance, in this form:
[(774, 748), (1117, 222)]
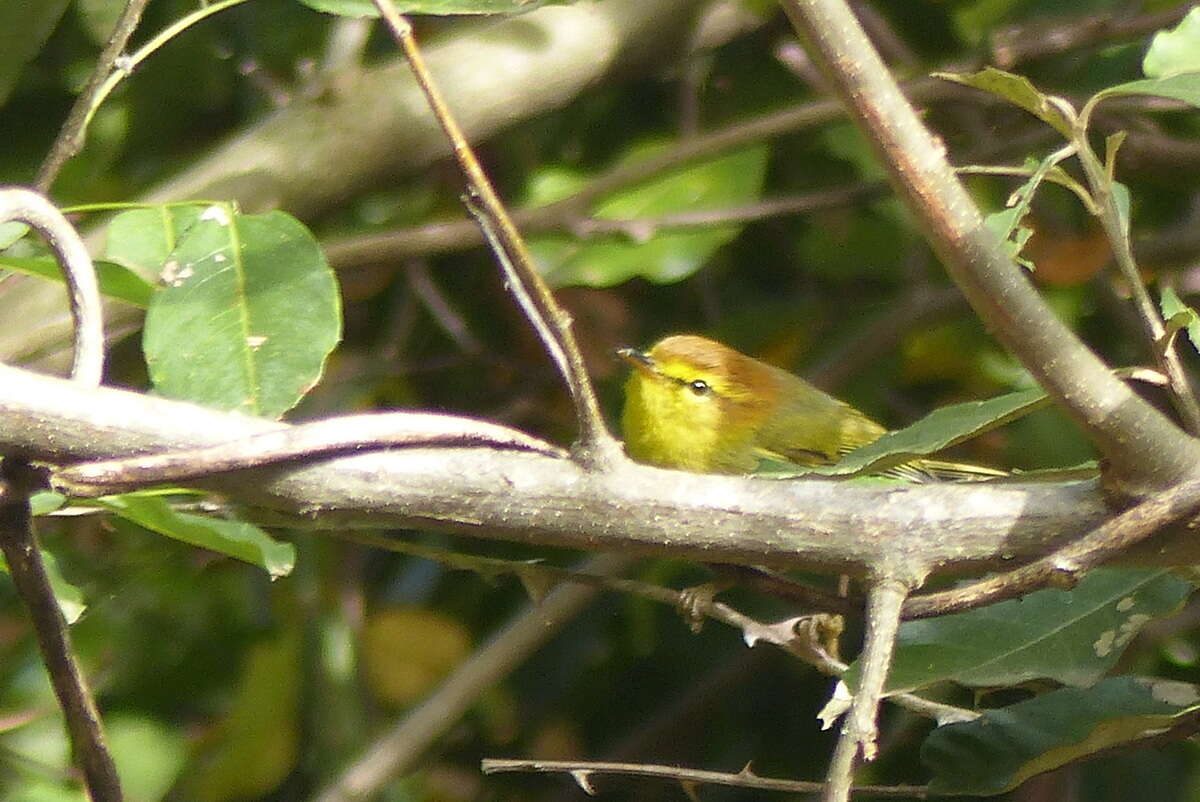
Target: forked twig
[(595, 446), (859, 728), (582, 771), (70, 136)]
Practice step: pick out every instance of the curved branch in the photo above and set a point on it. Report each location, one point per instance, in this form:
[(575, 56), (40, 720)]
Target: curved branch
[(310, 441), (29, 207)]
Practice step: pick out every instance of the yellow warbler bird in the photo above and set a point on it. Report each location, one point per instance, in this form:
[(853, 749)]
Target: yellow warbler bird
[(694, 404)]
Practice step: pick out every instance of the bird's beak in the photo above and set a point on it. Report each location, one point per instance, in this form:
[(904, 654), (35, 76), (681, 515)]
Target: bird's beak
[(639, 359)]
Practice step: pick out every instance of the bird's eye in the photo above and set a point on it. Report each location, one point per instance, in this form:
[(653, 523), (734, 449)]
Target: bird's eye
[(699, 387)]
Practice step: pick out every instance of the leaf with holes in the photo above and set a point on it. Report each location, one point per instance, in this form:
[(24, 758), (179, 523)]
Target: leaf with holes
[(248, 315), (143, 239), (1072, 636)]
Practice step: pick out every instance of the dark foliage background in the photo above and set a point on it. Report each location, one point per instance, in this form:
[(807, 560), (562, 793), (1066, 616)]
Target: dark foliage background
[(219, 684)]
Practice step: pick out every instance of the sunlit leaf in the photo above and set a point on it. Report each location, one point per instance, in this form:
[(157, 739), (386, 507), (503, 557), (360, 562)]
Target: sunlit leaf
[(143, 239), (237, 539), (149, 755), (1072, 636), (659, 255), (1175, 51), (10, 232), (1184, 87), (1005, 747), (115, 280), (1180, 315), (937, 431), (248, 315), (1016, 89)]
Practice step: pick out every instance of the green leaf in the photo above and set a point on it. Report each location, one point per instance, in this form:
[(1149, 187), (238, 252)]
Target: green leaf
[(237, 539), (365, 8), (46, 502), (115, 280), (1184, 87), (10, 232), (937, 431), (1175, 51), (1072, 636), (1016, 89), (1180, 315), (69, 597), (248, 316), (661, 256), (143, 239), (1003, 748), (1006, 224)]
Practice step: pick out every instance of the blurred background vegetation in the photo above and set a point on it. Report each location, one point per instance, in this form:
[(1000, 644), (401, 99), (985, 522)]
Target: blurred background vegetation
[(218, 684)]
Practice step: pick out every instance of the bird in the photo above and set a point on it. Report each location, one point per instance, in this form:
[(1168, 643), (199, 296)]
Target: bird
[(694, 404)]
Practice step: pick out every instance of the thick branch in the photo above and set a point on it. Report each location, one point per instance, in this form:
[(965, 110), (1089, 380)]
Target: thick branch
[(832, 526)]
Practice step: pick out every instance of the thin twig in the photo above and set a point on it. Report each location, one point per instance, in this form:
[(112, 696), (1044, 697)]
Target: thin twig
[(323, 438), (124, 67), (1117, 230), (18, 481), (1064, 567), (581, 772), (28, 572), (596, 447), (799, 637), (445, 315), (412, 735), (26, 206), (71, 135), (859, 729)]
